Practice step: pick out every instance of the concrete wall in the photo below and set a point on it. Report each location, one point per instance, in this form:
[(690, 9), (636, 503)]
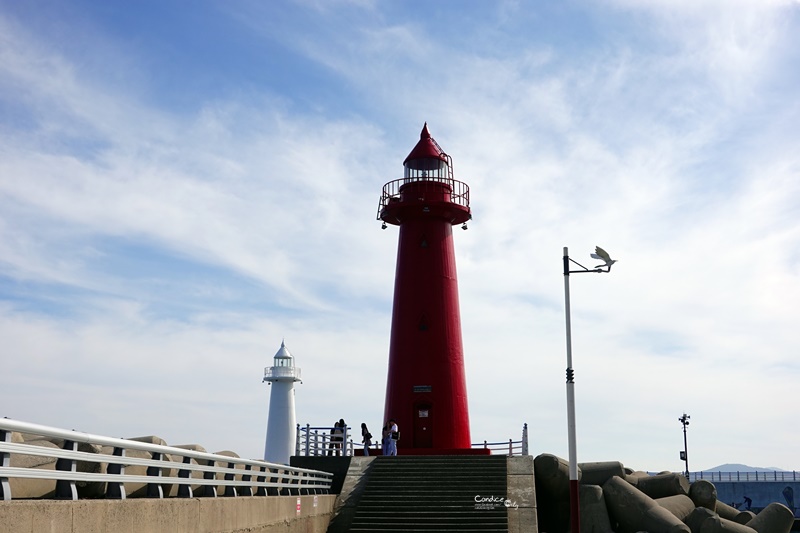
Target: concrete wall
[(762, 493), (336, 465), (521, 490), (271, 514)]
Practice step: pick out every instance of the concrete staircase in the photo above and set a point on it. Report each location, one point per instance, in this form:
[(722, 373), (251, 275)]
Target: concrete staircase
[(433, 493)]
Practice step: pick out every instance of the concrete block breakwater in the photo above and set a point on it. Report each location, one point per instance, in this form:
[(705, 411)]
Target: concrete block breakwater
[(615, 499)]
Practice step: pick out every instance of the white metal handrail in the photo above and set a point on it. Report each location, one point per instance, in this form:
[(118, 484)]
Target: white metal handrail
[(771, 475), (275, 372), (253, 477), (507, 447), (319, 441)]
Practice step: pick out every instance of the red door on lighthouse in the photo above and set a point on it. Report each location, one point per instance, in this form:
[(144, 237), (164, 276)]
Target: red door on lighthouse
[(426, 359), (423, 426)]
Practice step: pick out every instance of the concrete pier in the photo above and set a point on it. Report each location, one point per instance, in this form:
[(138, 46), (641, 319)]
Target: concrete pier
[(285, 514)]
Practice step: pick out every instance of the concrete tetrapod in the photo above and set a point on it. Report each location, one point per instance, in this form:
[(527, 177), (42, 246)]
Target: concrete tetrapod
[(598, 473), (22, 488), (663, 485), (634, 511), (552, 492), (726, 511), (195, 490), (594, 513), (145, 490), (633, 476), (228, 491), (715, 524), (697, 517), (704, 494), (680, 505), (85, 489), (774, 518), (32, 488)]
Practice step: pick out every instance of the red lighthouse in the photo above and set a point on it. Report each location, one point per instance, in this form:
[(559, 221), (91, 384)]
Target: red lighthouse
[(426, 390)]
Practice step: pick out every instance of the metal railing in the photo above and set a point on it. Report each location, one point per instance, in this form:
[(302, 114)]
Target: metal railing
[(275, 372), (509, 447), (318, 441), (235, 476), (772, 475), (459, 191)]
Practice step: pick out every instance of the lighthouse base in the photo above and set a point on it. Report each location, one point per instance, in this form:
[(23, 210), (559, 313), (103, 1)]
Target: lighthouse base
[(427, 451)]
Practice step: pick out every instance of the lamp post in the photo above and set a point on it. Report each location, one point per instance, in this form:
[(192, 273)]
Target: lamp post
[(684, 419), (574, 499)]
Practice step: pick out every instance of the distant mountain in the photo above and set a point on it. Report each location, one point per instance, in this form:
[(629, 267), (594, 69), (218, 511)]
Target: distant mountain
[(736, 467)]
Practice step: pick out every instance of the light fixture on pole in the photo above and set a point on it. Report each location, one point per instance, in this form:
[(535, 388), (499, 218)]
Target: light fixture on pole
[(574, 501), (684, 419)]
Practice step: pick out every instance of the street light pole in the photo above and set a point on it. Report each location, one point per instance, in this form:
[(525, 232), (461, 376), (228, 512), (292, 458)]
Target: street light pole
[(574, 497), (684, 419)]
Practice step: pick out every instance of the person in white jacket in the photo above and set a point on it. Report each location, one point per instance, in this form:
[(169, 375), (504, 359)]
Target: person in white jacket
[(394, 434)]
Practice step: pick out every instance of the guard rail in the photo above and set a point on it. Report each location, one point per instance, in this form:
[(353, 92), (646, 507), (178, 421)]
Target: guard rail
[(234, 475)]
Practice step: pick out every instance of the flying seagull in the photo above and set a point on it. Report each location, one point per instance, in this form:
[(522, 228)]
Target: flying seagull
[(602, 255)]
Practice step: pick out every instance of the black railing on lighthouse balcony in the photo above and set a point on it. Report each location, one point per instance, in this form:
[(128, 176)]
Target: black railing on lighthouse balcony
[(459, 191)]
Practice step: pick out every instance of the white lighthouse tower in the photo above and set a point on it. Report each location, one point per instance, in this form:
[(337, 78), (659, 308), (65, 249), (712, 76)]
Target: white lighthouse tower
[(282, 422)]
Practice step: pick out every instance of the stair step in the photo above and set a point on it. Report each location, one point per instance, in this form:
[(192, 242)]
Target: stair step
[(445, 526), (431, 494), (409, 529)]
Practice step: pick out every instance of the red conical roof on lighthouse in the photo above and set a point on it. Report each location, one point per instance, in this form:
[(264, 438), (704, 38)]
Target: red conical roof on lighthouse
[(426, 148)]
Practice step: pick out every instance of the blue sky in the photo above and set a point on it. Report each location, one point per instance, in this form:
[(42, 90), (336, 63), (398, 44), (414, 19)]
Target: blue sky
[(185, 184)]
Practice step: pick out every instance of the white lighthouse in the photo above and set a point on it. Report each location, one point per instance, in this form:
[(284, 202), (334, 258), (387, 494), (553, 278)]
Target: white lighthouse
[(282, 422)]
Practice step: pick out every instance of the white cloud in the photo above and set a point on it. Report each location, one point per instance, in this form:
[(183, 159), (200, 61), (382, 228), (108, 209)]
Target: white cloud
[(668, 155)]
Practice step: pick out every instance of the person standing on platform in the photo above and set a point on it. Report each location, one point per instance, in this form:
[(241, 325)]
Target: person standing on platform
[(366, 438), (385, 439), (394, 435), (336, 439)]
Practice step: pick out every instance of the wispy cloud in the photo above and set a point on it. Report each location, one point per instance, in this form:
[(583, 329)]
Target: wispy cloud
[(150, 253)]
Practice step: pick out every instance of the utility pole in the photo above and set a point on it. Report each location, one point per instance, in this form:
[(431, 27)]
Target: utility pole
[(574, 498), (684, 419)]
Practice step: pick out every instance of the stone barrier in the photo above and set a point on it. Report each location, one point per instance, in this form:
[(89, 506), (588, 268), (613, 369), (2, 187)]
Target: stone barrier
[(726, 511), (697, 517), (43, 488), (635, 511), (717, 524), (631, 501), (663, 485), (704, 494), (598, 473), (680, 505), (774, 518), (552, 490), (196, 490), (594, 513), (144, 490), (744, 517), (32, 488)]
